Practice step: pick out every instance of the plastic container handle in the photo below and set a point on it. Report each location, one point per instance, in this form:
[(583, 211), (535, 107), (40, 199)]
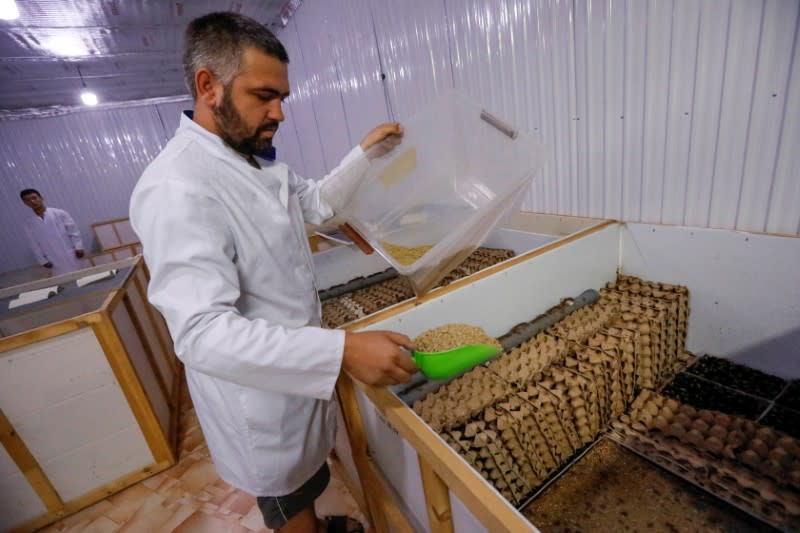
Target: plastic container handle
[(356, 237)]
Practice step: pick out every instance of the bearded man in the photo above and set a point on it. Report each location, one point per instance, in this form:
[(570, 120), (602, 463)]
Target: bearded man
[(222, 229)]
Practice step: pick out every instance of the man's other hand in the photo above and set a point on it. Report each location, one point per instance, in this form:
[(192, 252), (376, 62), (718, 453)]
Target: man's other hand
[(387, 135), (79, 254)]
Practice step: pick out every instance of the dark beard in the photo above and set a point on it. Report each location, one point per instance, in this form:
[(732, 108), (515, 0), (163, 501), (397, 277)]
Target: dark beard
[(233, 130)]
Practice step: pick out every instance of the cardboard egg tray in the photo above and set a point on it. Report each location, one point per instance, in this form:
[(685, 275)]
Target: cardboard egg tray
[(752, 466), (660, 292), (461, 399), (664, 326), (481, 444), (362, 302), (550, 397), (527, 362), (624, 346)]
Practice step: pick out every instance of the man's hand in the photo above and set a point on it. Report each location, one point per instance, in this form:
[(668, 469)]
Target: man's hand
[(377, 358), (79, 253), (387, 135), (48, 265)]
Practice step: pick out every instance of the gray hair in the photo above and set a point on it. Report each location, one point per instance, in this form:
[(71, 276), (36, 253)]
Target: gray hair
[(216, 41)]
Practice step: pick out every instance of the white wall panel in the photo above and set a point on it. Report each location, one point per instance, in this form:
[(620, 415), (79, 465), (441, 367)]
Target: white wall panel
[(170, 114), (581, 117), (85, 162), (658, 26), (744, 293), (737, 94), (685, 26), (783, 215), (288, 148), (657, 111), (531, 93), (316, 28), (769, 105), (353, 44), (415, 51), (338, 95), (710, 62), (633, 117), (301, 104), (482, 34), (614, 109), (607, 83), (496, 72)]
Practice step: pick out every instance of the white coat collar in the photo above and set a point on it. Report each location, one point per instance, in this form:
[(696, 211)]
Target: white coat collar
[(189, 127)]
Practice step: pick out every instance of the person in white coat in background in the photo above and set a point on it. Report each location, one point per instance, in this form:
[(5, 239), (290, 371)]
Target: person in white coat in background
[(53, 236), (223, 236)]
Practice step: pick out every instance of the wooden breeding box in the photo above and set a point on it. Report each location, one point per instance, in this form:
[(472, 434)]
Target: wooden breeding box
[(89, 391), (527, 234), (744, 291), (524, 233), (116, 233)]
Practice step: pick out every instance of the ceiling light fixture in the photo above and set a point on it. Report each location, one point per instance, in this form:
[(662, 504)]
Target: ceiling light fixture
[(87, 96), (66, 45), (9, 10)]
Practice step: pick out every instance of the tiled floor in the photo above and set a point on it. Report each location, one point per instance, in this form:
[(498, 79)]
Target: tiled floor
[(189, 498)]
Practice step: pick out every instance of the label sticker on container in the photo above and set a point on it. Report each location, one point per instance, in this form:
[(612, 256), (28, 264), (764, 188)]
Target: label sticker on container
[(401, 167)]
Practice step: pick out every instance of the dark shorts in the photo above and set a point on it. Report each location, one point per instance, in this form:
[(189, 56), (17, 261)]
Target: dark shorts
[(278, 510)]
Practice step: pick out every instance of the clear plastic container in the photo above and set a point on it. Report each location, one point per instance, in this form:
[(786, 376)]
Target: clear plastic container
[(431, 201)]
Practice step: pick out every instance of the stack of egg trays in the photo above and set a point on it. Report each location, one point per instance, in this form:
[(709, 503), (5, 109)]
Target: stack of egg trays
[(656, 359), (549, 398), (623, 347), (462, 399), (565, 401), (480, 443), (527, 362), (666, 315), (663, 291), (606, 366)]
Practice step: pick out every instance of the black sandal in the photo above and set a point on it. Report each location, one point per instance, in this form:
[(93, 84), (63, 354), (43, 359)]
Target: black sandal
[(338, 524)]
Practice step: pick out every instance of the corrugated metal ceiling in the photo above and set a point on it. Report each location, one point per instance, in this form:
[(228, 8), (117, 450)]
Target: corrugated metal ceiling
[(126, 50)]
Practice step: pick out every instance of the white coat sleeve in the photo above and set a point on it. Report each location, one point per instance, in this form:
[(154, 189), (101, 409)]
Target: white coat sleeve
[(320, 200), (195, 285), (72, 230)]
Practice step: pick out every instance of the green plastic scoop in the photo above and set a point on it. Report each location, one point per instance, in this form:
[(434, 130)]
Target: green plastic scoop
[(445, 365)]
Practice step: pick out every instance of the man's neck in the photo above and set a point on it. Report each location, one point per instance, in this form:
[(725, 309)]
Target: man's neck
[(205, 119), (40, 211)]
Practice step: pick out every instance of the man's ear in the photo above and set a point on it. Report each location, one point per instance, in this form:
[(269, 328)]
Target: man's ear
[(209, 89)]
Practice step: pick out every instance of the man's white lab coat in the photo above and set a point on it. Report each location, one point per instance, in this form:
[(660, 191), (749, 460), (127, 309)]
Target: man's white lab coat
[(231, 271), (54, 239)]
